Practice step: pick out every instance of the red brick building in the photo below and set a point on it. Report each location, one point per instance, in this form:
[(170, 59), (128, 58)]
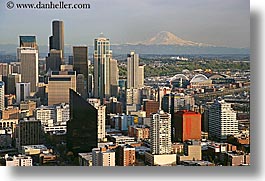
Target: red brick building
[(150, 107), (140, 132), (186, 126)]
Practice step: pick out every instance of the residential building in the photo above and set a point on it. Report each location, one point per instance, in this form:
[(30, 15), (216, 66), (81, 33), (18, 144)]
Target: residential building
[(160, 133)]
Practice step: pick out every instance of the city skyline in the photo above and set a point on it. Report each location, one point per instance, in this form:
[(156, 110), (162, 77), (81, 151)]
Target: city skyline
[(151, 109), (191, 21)]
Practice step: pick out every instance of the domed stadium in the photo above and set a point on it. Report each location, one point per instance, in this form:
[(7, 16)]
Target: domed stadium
[(179, 80), (200, 80)]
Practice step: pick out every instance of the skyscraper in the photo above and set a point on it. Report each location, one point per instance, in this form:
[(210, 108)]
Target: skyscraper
[(54, 60), (57, 38), (12, 79), (222, 120), (80, 62), (4, 69), (82, 133), (2, 95), (135, 73), (22, 91), (160, 133), (58, 86), (101, 118), (102, 70), (80, 85), (28, 41), (173, 103), (29, 132), (114, 77), (29, 66)]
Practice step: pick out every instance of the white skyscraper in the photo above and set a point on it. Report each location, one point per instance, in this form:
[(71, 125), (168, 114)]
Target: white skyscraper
[(29, 66), (160, 133), (102, 57), (2, 95), (22, 91), (101, 118), (222, 120)]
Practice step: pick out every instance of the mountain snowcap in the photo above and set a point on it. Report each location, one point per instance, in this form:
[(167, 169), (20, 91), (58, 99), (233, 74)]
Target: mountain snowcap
[(168, 38)]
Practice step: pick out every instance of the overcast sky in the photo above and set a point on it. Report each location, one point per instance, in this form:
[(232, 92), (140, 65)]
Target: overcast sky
[(217, 22)]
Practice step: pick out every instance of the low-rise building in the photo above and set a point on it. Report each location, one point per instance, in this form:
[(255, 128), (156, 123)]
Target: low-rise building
[(192, 151), (125, 155), (140, 132), (160, 160), (85, 159), (20, 160), (103, 157)]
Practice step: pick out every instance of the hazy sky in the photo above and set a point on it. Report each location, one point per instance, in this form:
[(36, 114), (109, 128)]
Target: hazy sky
[(217, 22)]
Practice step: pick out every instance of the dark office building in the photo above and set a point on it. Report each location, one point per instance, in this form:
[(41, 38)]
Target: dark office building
[(82, 128), (57, 38), (29, 132), (80, 62), (12, 79), (54, 60)]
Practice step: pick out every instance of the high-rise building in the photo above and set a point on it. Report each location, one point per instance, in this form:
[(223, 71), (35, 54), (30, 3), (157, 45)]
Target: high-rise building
[(70, 60), (12, 79), (57, 38), (173, 103), (133, 96), (134, 71), (114, 77), (58, 86), (54, 60), (4, 69), (2, 95), (22, 91), (59, 114), (82, 133), (141, 76), (103, 71), (29, 132), (114, 106), (186, 125), (15, 67), (80, 85), (90, 86), (80, 62), (101, 118), (29, 66), (62, 113), (222, 120), (160, 133), (28, 41), (150, 106)]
